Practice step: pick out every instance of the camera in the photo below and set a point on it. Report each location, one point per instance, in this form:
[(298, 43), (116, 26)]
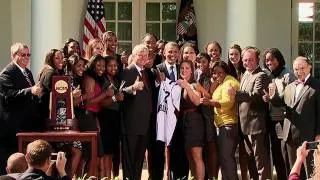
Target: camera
[(54, 156), (312, 145)]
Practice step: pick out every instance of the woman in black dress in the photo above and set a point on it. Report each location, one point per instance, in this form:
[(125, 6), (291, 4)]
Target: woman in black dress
[(206, 86), (109, 116), (75, 66), (191, 119)]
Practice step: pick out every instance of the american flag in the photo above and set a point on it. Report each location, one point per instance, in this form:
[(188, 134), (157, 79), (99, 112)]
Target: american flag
[(183, 26), (94, 22), (186, 24)]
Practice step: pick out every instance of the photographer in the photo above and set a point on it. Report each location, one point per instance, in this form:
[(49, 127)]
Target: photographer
[(39, 161), (302, 153)]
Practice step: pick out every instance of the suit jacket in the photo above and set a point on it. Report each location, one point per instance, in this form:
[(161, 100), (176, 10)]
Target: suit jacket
[(18, 107), (137, 108), (302, 114), (253, 111), (162, 68), (37, 174)]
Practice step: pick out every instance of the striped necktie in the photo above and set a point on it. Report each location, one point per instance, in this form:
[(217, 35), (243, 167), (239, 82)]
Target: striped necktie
[(25, 73)]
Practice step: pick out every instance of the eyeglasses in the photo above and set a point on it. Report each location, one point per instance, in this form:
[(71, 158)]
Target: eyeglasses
[(24, 55)]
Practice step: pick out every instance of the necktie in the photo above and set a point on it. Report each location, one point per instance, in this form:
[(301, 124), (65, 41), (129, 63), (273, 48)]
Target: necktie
[(299, 87), (25, 73), (171, 75), (299, 82), (144, 79)]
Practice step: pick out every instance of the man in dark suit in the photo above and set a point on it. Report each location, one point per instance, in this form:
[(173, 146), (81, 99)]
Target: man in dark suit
[(18, 100), (253, 111), (40, 164), (137, 109), (302, 123), (167, 69), (178, 161)]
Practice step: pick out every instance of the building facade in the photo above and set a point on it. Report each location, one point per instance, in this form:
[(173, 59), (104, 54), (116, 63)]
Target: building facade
[(262, 23)]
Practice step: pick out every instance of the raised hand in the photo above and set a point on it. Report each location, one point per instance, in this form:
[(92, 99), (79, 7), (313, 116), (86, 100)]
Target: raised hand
[(138, 85), (266, 96), (61, 163), (160, 75), (76, 92), (109, 92), (119, 96), (231, 90), (205, 101), (36, 89), (183, 83)]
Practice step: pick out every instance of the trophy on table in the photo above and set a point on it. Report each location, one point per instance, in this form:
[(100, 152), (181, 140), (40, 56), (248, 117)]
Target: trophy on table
[(61, 117)]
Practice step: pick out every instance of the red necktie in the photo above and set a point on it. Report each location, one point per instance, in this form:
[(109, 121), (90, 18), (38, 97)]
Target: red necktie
[(145, 81), (144, 77)]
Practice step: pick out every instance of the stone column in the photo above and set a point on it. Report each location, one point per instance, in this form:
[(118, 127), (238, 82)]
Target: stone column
[(46, 34)]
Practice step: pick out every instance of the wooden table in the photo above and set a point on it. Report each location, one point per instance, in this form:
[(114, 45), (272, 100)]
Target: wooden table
[(62, 136)]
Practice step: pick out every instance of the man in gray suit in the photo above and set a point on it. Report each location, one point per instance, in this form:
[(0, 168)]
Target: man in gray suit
[(302, 123), (253, 111)]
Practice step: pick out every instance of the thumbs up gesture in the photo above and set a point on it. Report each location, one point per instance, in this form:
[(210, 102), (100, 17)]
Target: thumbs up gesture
[(138, 85), (265, 97), (36, 89), (76, 92), (231, 90)]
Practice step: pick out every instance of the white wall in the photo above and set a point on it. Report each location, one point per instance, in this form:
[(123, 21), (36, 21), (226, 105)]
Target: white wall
[(274, 27), (211, 21), (21, 21), (5, 35), (73, 12), (263, 23)]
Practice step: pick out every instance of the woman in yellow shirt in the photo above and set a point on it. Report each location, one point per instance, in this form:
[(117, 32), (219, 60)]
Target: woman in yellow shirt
[(225, 118)]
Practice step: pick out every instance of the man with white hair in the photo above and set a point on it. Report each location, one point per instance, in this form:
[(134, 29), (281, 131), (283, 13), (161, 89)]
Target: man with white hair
[(301, 123), (137, 109), (18, 101)]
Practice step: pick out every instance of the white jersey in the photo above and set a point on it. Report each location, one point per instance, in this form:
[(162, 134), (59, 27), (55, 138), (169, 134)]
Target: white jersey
[(168, 102)]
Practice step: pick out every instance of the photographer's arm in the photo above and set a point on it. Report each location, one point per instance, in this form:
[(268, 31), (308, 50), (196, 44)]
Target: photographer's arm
[(60, 164), (302, 153)]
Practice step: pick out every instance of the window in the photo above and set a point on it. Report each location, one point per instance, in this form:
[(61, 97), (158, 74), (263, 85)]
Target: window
[(161, 19), (309, 33), (119, 20), (131, 19)]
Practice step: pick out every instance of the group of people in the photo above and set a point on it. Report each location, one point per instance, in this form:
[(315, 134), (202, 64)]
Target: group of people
[(187, 110)]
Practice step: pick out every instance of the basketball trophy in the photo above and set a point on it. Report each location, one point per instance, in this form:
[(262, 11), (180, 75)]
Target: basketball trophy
[(61, 117)]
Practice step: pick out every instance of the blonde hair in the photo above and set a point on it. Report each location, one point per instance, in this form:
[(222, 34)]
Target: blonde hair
[(90, 46), (16, 47)]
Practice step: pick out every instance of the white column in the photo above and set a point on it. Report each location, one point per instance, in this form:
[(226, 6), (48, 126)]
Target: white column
[(242, 22), (46, 31)]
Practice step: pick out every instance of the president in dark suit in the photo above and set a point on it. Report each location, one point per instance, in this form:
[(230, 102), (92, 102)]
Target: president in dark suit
[(253, 112), (302, 121), (178, 162), (18, 100), (137, 109)]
